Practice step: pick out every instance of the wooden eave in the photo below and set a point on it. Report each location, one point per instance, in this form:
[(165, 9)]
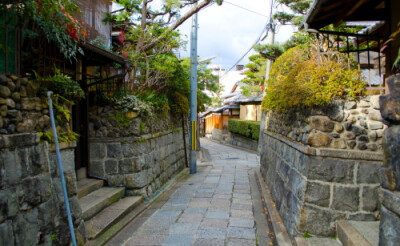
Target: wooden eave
[(96, 56), (326, 12)]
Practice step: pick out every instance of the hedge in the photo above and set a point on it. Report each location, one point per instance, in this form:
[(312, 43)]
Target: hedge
[(247, 128)]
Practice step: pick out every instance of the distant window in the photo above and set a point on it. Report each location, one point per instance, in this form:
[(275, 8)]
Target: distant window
[(8, 44)]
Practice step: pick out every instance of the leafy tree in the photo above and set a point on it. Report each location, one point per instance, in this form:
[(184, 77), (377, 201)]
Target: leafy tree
[(216, 99), (149, 38), (298, 10), (53, 18), (255, 76), (206, 81)]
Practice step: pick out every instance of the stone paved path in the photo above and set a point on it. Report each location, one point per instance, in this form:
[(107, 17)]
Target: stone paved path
[(212, 207)]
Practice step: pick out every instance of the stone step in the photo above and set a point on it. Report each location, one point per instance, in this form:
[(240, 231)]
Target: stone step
[(110, 216), (86, 186), (358, 233), (96, 201), (316, 241)]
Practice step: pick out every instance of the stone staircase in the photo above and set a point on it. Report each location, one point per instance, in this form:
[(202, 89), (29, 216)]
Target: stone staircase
[(349, 233), (102, 206), (358, 233)]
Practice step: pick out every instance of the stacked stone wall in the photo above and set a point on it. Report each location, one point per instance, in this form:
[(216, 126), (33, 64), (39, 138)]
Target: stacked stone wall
[(32, 208), (314, 187), (345, 124), (141, 156), (244, 142), (142, 164), (21, 110)]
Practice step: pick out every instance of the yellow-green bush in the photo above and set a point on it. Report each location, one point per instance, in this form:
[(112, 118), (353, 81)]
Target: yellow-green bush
[(298, 79), (247, 128)]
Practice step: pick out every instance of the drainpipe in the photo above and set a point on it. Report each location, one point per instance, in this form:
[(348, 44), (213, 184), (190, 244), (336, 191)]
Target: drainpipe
[(60, 169)]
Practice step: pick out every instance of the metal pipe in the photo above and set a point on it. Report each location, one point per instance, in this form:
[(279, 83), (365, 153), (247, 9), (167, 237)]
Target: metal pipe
[(60, 169)]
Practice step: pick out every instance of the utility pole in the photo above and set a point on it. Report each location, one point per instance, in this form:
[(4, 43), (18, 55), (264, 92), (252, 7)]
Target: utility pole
[(193, 96), (271, 39)]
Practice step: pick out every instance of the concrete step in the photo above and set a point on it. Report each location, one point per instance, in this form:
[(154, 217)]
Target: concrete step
[(97, 200), (86, 186), (358, 233), (110, 216), (316, 241)]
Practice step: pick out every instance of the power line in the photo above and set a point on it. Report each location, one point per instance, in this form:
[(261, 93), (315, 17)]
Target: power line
[(266, 28), (245, 9)]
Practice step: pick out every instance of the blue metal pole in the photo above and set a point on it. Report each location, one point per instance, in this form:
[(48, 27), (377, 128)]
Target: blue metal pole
[(61, 171), (193, 96)]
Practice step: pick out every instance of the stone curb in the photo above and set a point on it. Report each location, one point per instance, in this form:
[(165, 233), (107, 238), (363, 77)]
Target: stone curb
[(299, 241), (281, 234), (349, 236), (328, 152), (113, 231)]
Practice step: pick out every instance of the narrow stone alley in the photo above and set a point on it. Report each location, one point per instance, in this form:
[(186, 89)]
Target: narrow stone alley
[(219, 205)]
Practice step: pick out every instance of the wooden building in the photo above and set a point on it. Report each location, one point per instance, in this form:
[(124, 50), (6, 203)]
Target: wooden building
[(218, 118)]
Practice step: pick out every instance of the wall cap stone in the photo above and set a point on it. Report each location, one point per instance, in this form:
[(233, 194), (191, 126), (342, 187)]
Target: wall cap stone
[(133, 138), (329, 152), (63, 145), (19, 140)]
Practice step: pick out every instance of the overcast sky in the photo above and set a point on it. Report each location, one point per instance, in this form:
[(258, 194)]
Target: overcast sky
[(228, 31)]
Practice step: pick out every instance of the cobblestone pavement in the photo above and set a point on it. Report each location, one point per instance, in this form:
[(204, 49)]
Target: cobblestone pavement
[(213, 207)]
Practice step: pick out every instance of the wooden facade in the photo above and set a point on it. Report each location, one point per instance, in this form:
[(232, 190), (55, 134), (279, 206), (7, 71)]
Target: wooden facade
[(93, 15), (218, 118), (217, 121)]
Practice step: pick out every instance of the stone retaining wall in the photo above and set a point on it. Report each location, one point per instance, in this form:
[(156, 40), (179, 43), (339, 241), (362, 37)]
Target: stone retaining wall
[(21, 110), (222, 136), (32, 208), (244, 142), (133, 150), (344, 124), (315, 187), (141, 164)]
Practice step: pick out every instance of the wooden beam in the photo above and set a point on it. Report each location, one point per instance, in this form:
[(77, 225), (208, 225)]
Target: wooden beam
[(354, 6)]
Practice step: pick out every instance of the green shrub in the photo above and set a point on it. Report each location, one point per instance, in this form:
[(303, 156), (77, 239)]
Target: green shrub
[(247, 128), (62, 85), (302, 78)]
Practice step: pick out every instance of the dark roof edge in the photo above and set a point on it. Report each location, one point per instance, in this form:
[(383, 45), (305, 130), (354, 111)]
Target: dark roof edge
[(105, 53), (310, 15)]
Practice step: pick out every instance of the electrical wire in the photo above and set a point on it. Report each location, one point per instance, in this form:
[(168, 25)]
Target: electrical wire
[(245, 9), (266, 28)]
